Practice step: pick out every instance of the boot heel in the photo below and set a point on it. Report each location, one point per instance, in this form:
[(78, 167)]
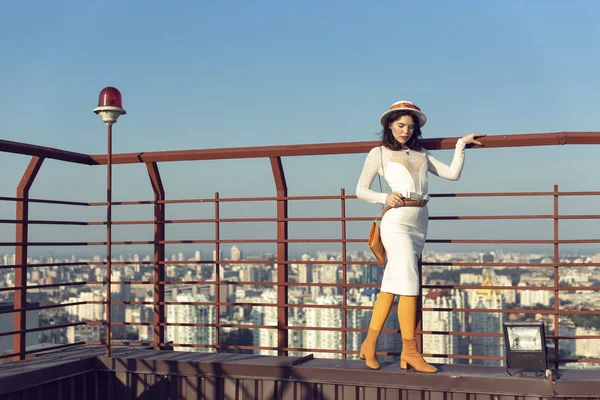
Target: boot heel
[(362, 355), (403, 365)]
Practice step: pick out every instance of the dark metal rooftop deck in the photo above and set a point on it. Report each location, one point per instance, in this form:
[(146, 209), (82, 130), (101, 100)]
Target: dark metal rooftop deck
[(84, 372)]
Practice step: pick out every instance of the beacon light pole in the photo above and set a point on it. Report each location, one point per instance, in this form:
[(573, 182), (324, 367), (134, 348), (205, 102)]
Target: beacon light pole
[(110, 108)]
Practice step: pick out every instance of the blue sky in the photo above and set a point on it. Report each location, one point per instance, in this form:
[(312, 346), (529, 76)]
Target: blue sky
[(198, 74)]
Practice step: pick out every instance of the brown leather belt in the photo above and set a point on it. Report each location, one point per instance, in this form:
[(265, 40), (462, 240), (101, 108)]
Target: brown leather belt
[(414, 203), (409, 203)]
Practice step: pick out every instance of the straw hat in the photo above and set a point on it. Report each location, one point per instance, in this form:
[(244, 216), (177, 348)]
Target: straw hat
[(406, 106)]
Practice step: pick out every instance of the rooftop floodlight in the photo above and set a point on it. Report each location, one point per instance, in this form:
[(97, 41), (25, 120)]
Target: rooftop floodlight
[(525, 344), (110, 105)]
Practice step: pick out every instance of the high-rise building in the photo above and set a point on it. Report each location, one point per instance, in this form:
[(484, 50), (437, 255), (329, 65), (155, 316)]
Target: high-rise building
[(236, 254), (9, 259), (510, 295), (266, 316), (487, 322), (190, 314), (304, 273), (530, 298), (84, 332), (87, 311), (324, 318), (442, 321), (587, 348)]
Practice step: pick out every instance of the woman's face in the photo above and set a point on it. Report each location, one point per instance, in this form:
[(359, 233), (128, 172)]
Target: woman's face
[(403, 128)]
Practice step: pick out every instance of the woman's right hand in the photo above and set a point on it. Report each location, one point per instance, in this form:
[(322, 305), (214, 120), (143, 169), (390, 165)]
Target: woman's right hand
[(394, 200)]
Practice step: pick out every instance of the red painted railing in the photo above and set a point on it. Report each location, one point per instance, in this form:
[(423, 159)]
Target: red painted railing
[(282, 240)]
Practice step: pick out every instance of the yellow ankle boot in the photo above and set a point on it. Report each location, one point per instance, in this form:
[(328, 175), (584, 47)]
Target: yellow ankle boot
[(411, 356), (369, 348), (381, 309)]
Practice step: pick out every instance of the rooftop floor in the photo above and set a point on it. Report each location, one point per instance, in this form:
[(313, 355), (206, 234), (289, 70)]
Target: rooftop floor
[(84, 372)]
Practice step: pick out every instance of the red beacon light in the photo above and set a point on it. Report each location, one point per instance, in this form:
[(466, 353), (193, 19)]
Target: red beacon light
[(110, 105)]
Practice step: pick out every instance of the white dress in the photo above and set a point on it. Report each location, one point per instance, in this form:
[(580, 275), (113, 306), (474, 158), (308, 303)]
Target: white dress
[(404, 229)]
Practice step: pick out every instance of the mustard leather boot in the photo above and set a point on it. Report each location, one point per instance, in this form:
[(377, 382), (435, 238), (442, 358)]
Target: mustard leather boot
[(411, 356), (369, 348)]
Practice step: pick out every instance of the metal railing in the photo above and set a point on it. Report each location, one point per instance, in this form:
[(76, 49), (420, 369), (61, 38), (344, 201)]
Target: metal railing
[(282, 241)]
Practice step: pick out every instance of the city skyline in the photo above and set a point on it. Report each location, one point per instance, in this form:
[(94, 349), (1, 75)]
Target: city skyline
[(88, 303)]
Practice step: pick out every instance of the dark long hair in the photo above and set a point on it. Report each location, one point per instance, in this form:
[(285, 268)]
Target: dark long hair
[(387, 137)]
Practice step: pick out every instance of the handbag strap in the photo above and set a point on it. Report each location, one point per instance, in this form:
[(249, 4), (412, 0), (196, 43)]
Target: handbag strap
[(381, 188)]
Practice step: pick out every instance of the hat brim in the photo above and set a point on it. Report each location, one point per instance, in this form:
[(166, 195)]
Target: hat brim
[(422, 118)]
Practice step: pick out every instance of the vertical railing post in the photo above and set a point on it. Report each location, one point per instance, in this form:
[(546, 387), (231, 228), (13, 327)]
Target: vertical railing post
[(282, 255), (22, 238), (419, 327), (344, 277), (556, 280), (217, 259), (158, 320)]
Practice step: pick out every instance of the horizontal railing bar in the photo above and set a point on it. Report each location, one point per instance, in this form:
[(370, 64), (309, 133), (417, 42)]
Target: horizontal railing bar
[(491, 194), (45, 265), (488, 217), (312, 262), (46, 201), (12, 310), (361, 285), (249, 283), (212, 241), (515, 311), (589, 193), (348, 307), (542, 288), (8, 146), (79, 283), (495, 141), (41, 350), (298, 219), (349, 285), (303, 328), (44, 328), (482, 334), (292, 219), (45, 222), (271, 198), (515, 265)]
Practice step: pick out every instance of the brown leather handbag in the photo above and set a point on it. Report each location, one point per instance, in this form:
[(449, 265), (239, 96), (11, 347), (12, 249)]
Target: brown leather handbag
[(375, 243)]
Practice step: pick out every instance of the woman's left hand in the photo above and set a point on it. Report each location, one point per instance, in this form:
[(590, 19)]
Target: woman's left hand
[(472, 138)]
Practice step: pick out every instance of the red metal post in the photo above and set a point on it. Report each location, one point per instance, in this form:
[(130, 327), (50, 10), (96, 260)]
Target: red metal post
[(159, 255), (282, 255), (217, 275), (556, 281), (22, 215), (344, 277), (419, 327), (108, 238)]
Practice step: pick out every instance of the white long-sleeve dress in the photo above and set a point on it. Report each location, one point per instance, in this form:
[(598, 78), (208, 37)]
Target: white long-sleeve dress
[(404, 229)]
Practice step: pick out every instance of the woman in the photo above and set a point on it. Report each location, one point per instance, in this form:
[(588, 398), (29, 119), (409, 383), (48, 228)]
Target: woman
[(404, 165)]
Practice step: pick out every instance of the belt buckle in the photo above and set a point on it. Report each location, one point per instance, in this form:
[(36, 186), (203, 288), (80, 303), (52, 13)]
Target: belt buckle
[(414, 196)]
